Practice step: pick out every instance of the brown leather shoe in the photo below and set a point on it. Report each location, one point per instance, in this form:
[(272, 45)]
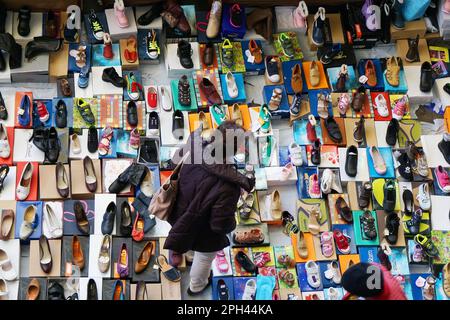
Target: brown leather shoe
[(393, 71), (210, 91), (144, 257), (358, 99), (296, 80), (359, 130), (174, 15), (370, 73), (255, 51), (45, 255), (208, 54), (77, 253), (62, 180), (90, 178), (81, 217), (33, 289), (7, 222), (65, 88)]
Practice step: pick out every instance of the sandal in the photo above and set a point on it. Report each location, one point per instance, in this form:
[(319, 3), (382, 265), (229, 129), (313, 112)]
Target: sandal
[(261, 258), (275, 101), (80, 58), (254, 236), (326, 242), (428, 291), (171, 273), (287, 277), (130, 52), (222, 262), (285, 260), (84, 108), (105, 141)]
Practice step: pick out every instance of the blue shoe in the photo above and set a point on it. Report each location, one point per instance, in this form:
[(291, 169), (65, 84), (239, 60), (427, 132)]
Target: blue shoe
[(317, 34), (118, 291), (83, 79), (399, 22), (24, 111)]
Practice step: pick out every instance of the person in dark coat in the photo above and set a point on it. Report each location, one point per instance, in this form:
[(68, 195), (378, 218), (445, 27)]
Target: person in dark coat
[(204, 211)]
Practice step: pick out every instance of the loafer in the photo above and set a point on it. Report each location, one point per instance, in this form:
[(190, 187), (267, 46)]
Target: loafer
[(53, 146), (24, 111), (45, 254), (344, 210), (333, 129), (245, 262), (109, 218), (126, 222), (426, 77), (90, 177), (62, 180), (77, 253), (61, 114), (351, 161), (81, 218), (390, 195), (132, 115), (392, 132), (92, 139), (110, 75), (178, 125), (144, 257)]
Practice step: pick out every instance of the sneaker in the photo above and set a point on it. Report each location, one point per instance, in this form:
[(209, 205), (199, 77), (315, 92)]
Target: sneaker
[(418, 255), (391, 229), (427, 245), (296, 105), (326, 181), (368, 225), (84, 108), (381, 105), (295, 153), (96, 26), (152, 48), (443, 179), (184, 53), (399, 108), (83, 77), (326, 244), (313, 187), (405, 170), (444, 146), (184, 91), (218, 114), (42, 112), (412, 225), (423, 197), (272, 70), (313, 274), (227, 53), (342, 242), (264, 119), (165, 99), (317, 36), (286, 45), (153, 123), (134, 88)]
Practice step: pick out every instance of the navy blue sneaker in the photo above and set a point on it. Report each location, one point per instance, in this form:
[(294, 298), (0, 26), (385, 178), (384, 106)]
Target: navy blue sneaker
[(83, 79), (317, 34), (296, 105), (24, 111)]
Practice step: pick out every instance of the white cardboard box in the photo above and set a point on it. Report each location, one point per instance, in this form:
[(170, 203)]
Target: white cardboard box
[(9, 185), (155, 24), (440, 206), (362, 169), (24, 149), (34, 70), (95, 243), (101, 87), (101, 203), (273, 176), (172, 61), (84, 149), (58, 209), (115, 30), (167, 138), (285, 20), (36, 26), (415, 95)]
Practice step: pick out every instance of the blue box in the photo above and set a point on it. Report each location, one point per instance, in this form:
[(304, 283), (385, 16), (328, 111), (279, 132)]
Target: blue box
[(369, 254), (303, 174), (70, 223), (20, 211), (386, 153), (228, 282), (347, 229), (240, 85), (69, 106), (326, 283), (228, 31), (313, 101), (333, 76), (416, 291), (99, 61), (401, 88), (102, 18), (239, 286), (72, 62), (379, 72), (287, 75), (302, 279), (300, 136), (112, 146), (253, 69), (142, 46), (123, 148), (340, 291), (138, 77), (283, 111), (156, 179), (36, 122), (399, 261)]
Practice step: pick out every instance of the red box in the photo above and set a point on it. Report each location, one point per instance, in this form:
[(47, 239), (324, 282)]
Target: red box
[(33, 196), (10, 133), (17, 101)]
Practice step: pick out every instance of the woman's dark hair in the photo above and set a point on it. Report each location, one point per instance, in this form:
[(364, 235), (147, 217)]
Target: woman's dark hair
[(236, 130)]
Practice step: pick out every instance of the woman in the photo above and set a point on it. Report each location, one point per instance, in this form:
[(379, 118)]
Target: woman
[(206, 202)]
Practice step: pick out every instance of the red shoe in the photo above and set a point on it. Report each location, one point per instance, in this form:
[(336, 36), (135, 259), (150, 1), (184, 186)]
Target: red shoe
[(311, 129), (342, 242), (107, 49), (138, 228), (42, 112), (152, 97)]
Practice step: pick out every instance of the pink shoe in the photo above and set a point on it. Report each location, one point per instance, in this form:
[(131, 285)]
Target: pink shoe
[(261, 258), (134, 139), (119, 11), (326, 242), (378, 160), (222, 262), (343, 103), (418, 253), (299, 14), (399, 109), (443, 179), (313, 188), (105, 141), (446, 7)]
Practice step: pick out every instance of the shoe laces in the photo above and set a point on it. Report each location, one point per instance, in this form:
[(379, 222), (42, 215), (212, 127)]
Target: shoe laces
[(96, 26)]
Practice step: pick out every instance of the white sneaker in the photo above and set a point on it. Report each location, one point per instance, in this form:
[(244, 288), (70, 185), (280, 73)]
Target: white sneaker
[(381, 105), (29, 223), (312, 274), (423, 197), (5, 149), (250, 290), (23, 188), (54, 225), (333, 294), (333, 273), (326, 181), (3, 288), (286, 171), (295, 152), (232, 88), (7, 271), (76, 145), (166, 99)]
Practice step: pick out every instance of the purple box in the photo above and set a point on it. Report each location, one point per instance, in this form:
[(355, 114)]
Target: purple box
[(228, 31)]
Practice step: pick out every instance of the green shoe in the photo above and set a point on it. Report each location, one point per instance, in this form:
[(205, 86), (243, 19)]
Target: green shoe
[(264, 119), (218, 114), (286, 45)]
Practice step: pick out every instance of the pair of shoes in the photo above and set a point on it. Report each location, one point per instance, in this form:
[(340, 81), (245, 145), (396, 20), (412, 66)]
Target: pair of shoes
[(47, 140), (133, 175), (174, 16)]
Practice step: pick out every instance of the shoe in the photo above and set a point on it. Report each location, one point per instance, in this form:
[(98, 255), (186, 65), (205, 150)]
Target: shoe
[(326, 243), (75, 144), (119, 12), (132, 114), (351, 161), (358, 99), (53, 146), (55, 291), (54, 224), (45, 255), (255, 52), (23, 28), (315, 152), (392, 132), (218, 114), (427, 245), (393, 71), (222, 289), (104, 145), (275, 100), (109, 218), (141, 291), (215, 16), (227, 53), (370, 73), (313, 274), (232, 89), (5, 149), (423, 197), (153, 123), (384, 258), (77, 253), (313, 187), (311, 129), (295, 154), (300, 14), (178, 125), (317, 36), (365, 194), (244, 261), (150, 15), (84, 108), (144, 258), (110, 75), (146, 186), (333, 129), (413, 52), (134, 88), (118, 292), (343, 103), (264, 119), (7, 271), (92, 140), (275, 205), (418, 256), (61, 114), (296, 105), (33, 290), (404, 169), (96, 26), (236, 115), (184, 91), (3, 110), (390, 195), (104, 254), (314, 74), (408, 202), (92, 290), (81, 218), (368, 225), (148, 152), (126, 223), (426, 77), (272, 69), (328, 181), (296, 79), (185, 53), (71, 33), (7, 222), (236, 16), (23, 188), (4, 291), (359, 131), (413, 225), (343, 210), (378, 160), (342, 242), (391, 229), (210, 92), (62, 180), (286, 45), (398, 21), (208, 54), (83, 77), (24, 111), (381, 105), (165, 99), (444, 147), (152, 48), (41, 45), (108, 53), (323, 101), (446, 270), (399, 109), (443, 179), (342, 79), (122, 263)]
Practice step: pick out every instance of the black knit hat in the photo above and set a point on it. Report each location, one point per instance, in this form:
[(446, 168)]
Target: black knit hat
[(357, 278)]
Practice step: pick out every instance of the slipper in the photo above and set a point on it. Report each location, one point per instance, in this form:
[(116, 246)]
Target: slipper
[(171, 273), (265, 286)]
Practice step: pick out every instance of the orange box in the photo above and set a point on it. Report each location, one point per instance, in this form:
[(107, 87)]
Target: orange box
[(323, 84), (164, 175), (194, 122), (447, 118), (19, 96), (344, 259), (10, 133), (325, 136), (33, 196), (309, 244), (247, 122)]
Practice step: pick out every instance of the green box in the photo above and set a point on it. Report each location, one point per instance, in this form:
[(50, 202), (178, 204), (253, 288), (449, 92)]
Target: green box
[(360, 239), (298, 55), (176, 103)]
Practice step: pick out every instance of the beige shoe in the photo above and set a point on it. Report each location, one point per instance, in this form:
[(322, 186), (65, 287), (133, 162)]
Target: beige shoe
[(147, 184), (76, 145), (314, 74), (236, 115), (204, 123), (314, 220), (302, 249), (446, 279), (275, 205), (275, 101), (215, 16), (322, 105), (392, 71), (296, 80)]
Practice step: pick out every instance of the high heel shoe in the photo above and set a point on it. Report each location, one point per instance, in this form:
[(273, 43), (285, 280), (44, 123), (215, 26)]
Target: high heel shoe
[(4, 170)]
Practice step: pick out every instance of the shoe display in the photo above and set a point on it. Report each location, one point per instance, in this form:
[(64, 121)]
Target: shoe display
[(184, 91), (215, 16), (96, 26), (210, 92), (272, 69)]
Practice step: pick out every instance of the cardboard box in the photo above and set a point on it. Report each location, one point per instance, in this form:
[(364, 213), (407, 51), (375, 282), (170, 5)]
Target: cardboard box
[(35, 269), (112, 168), (67, 265), (101, 87), (172, 61), (103, 21), (34, 70), (79, 189), (115, 30), (403, 47), (58, 63), (47, 182), (142, 46), (411, 30), (98, 60)]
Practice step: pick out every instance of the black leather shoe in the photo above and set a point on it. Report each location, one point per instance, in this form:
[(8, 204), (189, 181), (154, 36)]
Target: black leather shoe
[(110, 75), (408, 202), (245, 262), (92, 139), (61, 114), (92, 293), (149, 152), (39, 137), (122, 181), (185, 53), (413, 52), (109, 218), (132, 116), (150, 15), (3, 110), (42, 45), (8, 44), (53, 146), (390, 195), (55, 292), (426, 77), (444, 147), (23, 28), (392, 132), (126, 220), (351, 161), (315, 152), (178, 125), (333, 129)]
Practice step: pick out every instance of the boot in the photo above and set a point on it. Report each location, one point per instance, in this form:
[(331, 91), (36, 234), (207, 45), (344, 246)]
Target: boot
[(8, 44), (413, 52), (397, 16), (107, 47), (41, 45)]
